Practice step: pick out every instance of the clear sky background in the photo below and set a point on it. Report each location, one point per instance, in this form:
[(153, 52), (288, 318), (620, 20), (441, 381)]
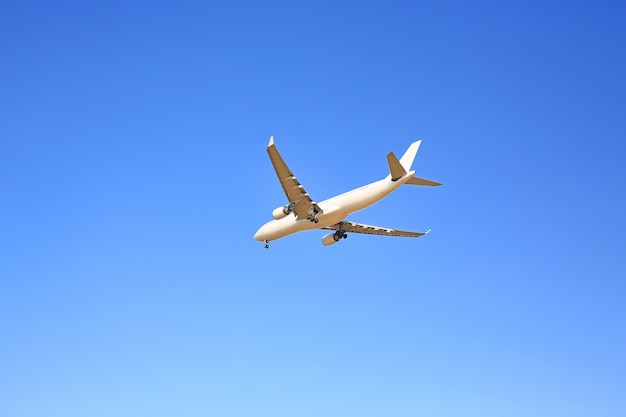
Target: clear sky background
[(133, 175)]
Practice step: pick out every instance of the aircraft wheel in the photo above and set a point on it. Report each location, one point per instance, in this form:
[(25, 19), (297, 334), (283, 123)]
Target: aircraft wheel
[(345, 236)]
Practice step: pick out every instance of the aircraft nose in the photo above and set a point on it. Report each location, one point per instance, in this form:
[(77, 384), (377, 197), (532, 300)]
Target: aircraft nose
[(264, 233)]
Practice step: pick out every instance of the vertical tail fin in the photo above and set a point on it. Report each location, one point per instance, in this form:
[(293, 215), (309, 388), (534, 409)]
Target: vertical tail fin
[(398, 169), (407, 159)]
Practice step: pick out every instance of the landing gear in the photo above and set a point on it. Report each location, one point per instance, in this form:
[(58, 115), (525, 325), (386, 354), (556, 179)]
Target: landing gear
[(332, 238), (267, 244), (312, 215), (340, 233)]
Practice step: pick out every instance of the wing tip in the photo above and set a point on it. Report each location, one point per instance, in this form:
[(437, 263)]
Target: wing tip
[(271, 142)]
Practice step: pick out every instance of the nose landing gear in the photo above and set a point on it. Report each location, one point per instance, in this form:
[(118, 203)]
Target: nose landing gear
[(267, 244)]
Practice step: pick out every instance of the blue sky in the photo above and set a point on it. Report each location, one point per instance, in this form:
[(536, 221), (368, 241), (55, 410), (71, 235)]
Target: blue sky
[(133, 174)]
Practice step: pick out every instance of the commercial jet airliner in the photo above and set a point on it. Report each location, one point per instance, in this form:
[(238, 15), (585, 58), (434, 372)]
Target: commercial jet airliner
[(302, 213)]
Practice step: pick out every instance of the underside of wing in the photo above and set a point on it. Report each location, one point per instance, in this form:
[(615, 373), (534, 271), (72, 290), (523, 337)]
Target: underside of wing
[(351, 227), (303, 206)]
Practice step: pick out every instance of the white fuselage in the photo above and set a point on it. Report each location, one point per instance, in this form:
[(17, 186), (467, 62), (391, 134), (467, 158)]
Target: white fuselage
[(334, 209)]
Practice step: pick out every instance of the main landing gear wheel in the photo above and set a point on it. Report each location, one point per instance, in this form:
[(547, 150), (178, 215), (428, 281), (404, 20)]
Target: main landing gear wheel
[(340, 233)]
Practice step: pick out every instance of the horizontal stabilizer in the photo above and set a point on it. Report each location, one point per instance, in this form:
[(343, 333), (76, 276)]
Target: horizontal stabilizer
[(422, 181), (395, 167)]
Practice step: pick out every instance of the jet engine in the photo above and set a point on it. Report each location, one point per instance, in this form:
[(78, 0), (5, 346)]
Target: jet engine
[(281, 212), (330, 239)]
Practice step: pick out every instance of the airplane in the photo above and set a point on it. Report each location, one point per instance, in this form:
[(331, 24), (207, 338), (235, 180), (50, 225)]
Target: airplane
[(302, 213)]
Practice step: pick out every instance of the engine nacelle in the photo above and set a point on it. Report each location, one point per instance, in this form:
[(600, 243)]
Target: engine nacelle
[(281, 212), (330, 239)]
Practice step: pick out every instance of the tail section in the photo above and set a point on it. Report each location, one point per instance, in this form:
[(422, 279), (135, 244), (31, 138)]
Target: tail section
[(396, 169), (422, 181), (399, 168), (409, 155)]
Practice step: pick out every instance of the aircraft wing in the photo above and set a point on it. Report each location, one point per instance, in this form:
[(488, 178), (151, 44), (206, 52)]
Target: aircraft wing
[(373, 230), (303, 205)]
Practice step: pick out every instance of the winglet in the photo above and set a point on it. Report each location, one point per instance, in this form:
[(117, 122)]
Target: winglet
[(395, 167), (271, 141)]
